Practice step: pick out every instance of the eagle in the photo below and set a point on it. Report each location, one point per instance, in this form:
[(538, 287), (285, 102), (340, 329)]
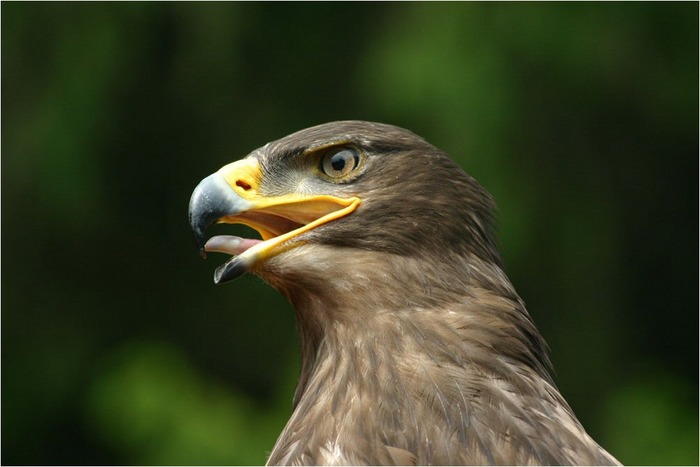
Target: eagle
[(415, 347)]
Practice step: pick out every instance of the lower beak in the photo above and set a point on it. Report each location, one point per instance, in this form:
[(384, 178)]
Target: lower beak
[(232, 196)]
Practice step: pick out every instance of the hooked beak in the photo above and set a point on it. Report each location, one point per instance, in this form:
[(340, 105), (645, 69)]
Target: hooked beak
[(231, 195)]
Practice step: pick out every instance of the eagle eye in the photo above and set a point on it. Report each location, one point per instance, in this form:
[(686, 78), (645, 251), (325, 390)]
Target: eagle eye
[(340, 162)]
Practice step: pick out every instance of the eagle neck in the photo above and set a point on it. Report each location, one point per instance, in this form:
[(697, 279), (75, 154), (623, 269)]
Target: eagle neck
[(389, 370)]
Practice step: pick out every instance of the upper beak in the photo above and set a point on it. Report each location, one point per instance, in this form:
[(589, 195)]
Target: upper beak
[(232, 195)]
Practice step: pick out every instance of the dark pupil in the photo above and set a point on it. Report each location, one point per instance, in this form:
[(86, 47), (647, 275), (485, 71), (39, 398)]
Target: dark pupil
[(339, 160)]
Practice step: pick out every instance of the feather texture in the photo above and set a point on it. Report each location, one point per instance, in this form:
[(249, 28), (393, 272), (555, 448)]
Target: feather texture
[(416, 349)]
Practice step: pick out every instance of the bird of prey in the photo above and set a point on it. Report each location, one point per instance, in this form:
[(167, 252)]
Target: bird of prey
[(415, 347)]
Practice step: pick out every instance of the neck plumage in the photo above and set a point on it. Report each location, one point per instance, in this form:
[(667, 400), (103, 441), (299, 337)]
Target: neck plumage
[(412, 371)]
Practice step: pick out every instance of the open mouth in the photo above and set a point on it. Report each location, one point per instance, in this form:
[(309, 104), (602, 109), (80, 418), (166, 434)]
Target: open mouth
[(268, 225), (230, 196)]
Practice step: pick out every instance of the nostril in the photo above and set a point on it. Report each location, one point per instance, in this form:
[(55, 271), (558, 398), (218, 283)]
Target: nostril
[(242, 184)]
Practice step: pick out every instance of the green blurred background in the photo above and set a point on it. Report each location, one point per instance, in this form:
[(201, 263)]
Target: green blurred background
[(581, 119)]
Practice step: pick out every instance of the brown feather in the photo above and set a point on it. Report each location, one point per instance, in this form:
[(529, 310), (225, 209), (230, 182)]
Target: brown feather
[(416, 349)]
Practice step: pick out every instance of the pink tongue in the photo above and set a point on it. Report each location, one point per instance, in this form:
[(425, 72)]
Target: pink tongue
[(230, 244)]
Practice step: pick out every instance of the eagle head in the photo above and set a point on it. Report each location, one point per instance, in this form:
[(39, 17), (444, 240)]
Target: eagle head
[(352, 185), (415, 346)]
